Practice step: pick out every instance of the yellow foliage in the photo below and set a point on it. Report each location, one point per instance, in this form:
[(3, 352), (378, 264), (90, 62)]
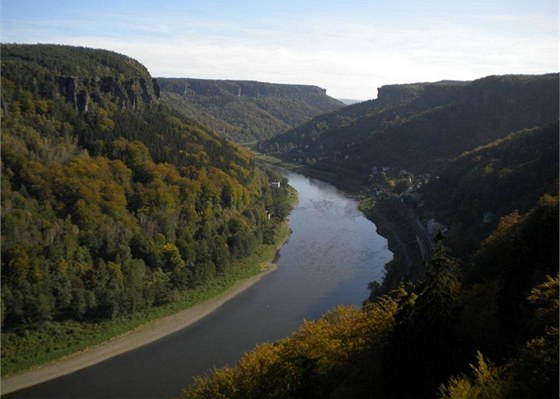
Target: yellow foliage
[(334, 342), (486, 383), (106, 124), (506, 223), (42, 106), (115, 270), (544, 297)]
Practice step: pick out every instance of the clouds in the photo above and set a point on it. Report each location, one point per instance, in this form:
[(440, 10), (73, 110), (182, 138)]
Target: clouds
[(349, 56)]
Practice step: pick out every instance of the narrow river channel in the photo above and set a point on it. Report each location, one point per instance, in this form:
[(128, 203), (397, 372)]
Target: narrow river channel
[(332, 254)]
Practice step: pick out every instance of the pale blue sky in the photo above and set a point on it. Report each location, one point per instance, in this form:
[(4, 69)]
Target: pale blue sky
[(348, 47)]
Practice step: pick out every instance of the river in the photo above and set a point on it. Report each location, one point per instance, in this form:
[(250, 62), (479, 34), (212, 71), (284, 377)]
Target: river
[(332, 254)]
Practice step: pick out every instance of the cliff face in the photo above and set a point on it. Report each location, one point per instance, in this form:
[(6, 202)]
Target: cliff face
[(246, 110), (126, 93), (82, 76)]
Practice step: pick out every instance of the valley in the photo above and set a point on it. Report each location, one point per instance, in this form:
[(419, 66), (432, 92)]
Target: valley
[(245, 111), (124, 201)]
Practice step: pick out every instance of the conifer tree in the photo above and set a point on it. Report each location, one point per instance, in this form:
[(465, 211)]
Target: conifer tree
[(419, 356)]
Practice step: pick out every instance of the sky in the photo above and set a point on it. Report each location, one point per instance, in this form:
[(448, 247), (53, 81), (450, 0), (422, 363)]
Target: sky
[(349, 47)]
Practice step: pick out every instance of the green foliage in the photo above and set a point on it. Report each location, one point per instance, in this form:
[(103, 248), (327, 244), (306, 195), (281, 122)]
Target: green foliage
[(118, 204), (23, 348), (245, 111), (70, 61)]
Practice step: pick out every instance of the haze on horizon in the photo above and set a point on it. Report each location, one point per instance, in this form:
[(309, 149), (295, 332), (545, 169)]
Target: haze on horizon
[(350, 48)]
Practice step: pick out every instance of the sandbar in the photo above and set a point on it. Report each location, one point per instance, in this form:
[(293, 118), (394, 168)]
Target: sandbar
[(136, 338)]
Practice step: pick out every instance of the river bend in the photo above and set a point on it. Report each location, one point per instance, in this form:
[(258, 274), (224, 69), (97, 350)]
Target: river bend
[(332, 254)]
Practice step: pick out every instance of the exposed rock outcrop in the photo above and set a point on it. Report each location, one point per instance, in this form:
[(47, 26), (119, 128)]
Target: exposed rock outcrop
[(126, 93)]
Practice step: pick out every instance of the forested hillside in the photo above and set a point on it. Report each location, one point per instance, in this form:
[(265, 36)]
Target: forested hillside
[(112, 202), (467, 200), (419, 127), (246, 111), (480, 186)]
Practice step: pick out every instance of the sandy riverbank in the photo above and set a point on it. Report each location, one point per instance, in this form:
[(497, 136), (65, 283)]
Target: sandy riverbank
[(134, 339)]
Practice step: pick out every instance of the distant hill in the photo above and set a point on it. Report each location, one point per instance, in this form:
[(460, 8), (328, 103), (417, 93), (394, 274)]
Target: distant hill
[(420, 127), (349, 101), (246, 111)]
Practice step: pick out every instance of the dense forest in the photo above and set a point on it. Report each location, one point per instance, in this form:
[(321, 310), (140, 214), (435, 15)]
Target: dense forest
[(246, 111), (111, 201), (476, 316), (506, 175), (419, 127)]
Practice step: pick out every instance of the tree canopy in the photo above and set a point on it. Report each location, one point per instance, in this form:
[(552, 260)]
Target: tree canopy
[(119, 203)]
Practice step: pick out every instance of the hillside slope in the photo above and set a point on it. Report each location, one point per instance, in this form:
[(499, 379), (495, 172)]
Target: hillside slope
[(246, 111), (482, 185), (420, 127), (112, 203)]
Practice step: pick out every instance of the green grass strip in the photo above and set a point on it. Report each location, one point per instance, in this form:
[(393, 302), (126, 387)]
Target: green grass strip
[(56, 340)]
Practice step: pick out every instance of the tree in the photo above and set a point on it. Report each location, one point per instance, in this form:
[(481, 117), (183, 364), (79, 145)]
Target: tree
[(420, 355), (174, 265), (532, 372)]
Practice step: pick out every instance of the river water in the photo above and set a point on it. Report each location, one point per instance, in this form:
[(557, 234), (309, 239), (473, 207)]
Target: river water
[(332, 254)]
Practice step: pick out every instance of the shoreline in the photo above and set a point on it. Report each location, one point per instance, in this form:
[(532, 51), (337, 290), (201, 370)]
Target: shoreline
[(128, 341)]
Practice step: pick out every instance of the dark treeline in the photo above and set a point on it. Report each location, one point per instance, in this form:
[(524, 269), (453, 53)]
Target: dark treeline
[(419, 127), (506, 175)]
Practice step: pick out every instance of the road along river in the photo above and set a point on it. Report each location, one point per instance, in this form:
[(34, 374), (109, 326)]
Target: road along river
[(332, 254)]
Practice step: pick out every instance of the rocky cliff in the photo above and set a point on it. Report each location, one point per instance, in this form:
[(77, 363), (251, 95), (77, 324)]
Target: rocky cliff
[(80, 75), (126, 93)]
